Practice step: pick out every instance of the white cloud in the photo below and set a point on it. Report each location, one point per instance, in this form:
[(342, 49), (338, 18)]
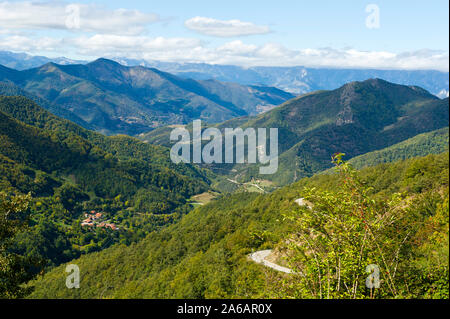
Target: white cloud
[(233, 52), (273, 50), (73, 17), (113, 45), (224, 29), (21, 43), (237, 48), (352, 58)]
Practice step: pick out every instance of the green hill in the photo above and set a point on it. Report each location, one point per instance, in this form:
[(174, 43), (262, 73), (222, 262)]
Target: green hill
[(205, 254), (358, 118), (10, 89), (160, 247), (434, 142), (70, 170)]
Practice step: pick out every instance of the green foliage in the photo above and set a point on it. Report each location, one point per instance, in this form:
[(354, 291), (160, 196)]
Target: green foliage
[(14, 268), (394, 215), (69, 170), (69, 195), (434, 142), (340, 234), (205, 254)]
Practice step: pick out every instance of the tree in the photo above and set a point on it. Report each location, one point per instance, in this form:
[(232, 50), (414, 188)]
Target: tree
[(346, 243), (13, 268)]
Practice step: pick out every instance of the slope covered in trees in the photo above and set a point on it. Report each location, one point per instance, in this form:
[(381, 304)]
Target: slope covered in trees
[(355, 119), (10, 89), (434, 142), (205, 255), (70, 171)]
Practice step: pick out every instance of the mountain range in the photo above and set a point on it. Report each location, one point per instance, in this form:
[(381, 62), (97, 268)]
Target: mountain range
[(354, 119), (112, 98), (297, 79), (163, 247), (23, 61)]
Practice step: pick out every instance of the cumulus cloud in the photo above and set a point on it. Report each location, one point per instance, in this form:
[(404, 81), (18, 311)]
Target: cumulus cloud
[(90, 30), (352, 58), (233, 52), (73, 17), (224, 29), (237, 48), (20, 43), (113, 45)]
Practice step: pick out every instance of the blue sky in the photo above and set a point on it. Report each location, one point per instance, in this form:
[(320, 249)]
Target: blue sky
[(410, 34), (404, 25)]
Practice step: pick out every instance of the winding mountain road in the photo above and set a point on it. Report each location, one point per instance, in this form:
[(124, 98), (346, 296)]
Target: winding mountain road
[(260, 258)]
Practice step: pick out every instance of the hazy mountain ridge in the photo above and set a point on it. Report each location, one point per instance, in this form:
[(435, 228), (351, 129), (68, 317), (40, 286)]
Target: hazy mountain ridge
[(23, 61), (297, 79), (117, 99), (357, 118)]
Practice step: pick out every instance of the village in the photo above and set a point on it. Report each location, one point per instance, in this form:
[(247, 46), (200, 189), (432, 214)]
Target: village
[(97, 219)]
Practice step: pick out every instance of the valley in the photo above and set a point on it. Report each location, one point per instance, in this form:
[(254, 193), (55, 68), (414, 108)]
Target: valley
[(93, 184), (224, 159)]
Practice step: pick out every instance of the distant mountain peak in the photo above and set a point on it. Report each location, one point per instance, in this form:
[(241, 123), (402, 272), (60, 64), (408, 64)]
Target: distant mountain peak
[(104, 61), (374, 82), (49, 65)]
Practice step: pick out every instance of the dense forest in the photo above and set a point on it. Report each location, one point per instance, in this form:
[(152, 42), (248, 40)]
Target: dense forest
[(70, 171), (205, 254), (434, 142), (124, 213)]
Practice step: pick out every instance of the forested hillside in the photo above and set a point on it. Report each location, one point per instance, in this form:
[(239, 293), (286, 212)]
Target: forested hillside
[(121, 210), (70, 171), (358, 118), (10, 89), (224, 157), (434, 142), (205, 255)]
